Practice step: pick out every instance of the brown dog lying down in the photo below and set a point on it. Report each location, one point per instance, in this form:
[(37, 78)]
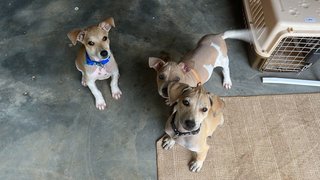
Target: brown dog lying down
[(198, 64), (196, 115), (95, 60)]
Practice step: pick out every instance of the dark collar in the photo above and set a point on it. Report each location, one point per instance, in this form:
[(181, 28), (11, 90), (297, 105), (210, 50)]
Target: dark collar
[(178, 133), (98, 63)]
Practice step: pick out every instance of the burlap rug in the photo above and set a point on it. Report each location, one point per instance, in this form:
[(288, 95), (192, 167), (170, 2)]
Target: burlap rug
[(263, 137)]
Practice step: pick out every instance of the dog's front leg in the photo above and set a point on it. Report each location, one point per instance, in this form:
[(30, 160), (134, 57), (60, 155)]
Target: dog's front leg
[(100, 103), (116, 92), (168, 142), (196, 164)]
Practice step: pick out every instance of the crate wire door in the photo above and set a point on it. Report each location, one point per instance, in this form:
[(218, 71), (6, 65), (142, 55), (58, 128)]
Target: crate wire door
[(290, 55)]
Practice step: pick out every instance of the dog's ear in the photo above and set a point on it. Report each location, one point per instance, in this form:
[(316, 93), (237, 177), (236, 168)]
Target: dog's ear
[(107, 24), (76, 35), (156, 63), (186, 66), (217, 104), (175, 90)]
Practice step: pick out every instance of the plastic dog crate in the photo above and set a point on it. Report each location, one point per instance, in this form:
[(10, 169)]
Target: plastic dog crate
[(285, 33)]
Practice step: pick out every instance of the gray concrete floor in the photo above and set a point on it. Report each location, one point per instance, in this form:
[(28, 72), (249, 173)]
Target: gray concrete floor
[(50, 128)]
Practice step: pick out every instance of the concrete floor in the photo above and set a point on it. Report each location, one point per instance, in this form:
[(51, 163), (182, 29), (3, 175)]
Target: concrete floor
[(50, 128)]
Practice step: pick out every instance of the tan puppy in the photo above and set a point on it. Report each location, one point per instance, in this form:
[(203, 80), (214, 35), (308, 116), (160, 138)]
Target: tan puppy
[(196, 115), (197, 65), (95, 60)]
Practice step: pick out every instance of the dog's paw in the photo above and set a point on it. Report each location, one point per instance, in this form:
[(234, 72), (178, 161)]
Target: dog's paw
[(83, 82), (167, 102), (101, 105), (195, 166), (227, 84), (221, 121), (116, 94), (168, 143)]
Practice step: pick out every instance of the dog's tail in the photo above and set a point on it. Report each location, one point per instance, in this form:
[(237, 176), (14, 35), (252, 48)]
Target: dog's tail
[(241, 34)]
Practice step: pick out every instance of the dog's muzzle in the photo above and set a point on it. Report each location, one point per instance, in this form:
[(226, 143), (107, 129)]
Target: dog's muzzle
[(178, 133)]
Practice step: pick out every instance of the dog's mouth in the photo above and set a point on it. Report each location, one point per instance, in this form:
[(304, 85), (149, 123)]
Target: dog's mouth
[(190, 130)]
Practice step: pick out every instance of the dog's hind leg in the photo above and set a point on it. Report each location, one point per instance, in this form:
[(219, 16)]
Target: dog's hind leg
[(83, 79), (223, 61), (226, 73)]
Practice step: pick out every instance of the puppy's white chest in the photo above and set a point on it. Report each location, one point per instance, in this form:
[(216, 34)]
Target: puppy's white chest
[(101, 73), (188, 143)]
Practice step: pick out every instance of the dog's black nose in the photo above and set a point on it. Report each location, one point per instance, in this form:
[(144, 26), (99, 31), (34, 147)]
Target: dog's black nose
[(165, 91), (104, 53), (190, 124)]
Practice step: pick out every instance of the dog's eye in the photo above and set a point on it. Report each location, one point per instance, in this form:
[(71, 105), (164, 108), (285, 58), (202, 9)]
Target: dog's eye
[(161, 77), (91, 43), (186, 102), (177, 79), (204, 109), (104, 38)]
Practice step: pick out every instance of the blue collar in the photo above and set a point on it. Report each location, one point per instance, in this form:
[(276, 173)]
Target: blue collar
[(100, 63)]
